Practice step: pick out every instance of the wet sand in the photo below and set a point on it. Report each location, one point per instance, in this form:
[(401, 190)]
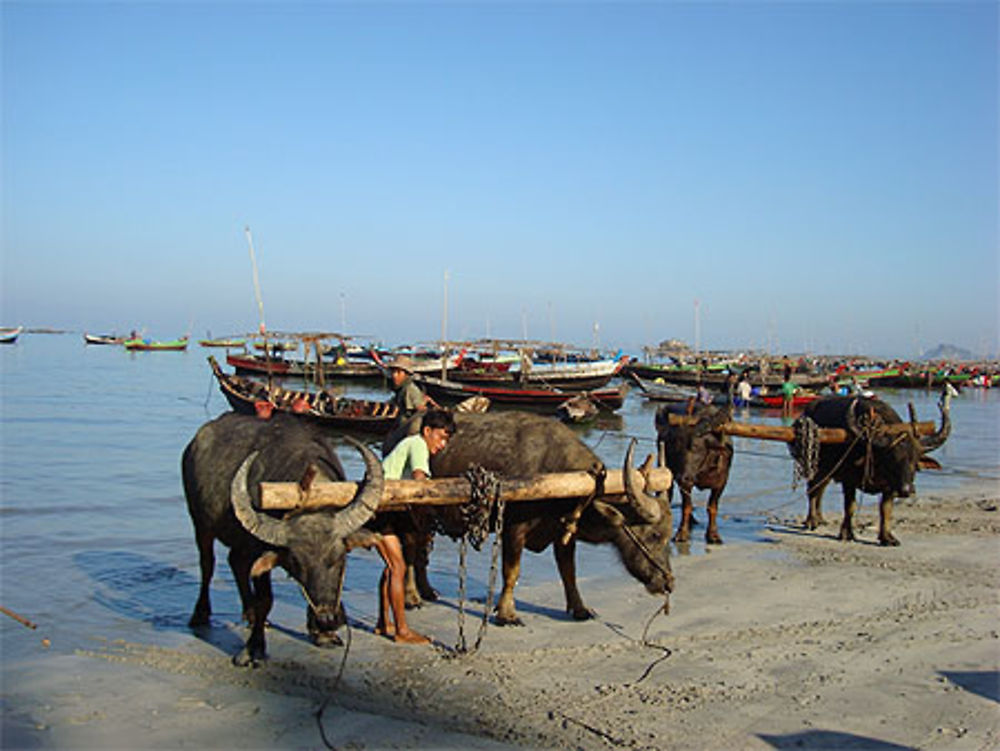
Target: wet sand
[(794, 641)]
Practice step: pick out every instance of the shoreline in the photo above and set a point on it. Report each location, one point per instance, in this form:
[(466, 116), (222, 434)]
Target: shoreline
[(796, 640)]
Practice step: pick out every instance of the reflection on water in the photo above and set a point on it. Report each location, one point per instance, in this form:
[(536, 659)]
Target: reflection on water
[(95, 534)]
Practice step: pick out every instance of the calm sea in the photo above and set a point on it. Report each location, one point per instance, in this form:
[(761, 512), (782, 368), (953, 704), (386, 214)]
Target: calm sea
[(96, 539)]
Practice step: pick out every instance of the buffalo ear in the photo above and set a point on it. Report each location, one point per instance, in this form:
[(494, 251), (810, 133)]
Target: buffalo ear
[(264, 564), (926, 462), (610, 513)]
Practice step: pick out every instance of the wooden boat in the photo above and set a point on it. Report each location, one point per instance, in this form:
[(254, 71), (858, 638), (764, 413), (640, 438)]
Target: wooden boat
[(9, 336), (151, 345), (662, 391), (229, 343), (246, 364), (716, 378), (362, 415), (668, 392), (102, 339), (547, 399), (568, 376)]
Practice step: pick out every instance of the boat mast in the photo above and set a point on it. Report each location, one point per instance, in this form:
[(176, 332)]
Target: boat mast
[(260, 305)]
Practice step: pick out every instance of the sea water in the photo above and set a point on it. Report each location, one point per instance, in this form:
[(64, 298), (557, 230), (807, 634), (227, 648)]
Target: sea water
[(97, 543)]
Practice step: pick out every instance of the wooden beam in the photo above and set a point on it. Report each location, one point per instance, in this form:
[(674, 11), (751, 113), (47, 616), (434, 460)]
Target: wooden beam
[(787, 434), (455, 490)]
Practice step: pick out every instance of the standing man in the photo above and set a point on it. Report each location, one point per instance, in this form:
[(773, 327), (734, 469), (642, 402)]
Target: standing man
[(409, 398), (788, 389), (409, 459)]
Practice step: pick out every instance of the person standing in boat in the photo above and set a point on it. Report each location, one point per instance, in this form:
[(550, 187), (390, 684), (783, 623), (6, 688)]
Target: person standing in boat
[(409, 398)]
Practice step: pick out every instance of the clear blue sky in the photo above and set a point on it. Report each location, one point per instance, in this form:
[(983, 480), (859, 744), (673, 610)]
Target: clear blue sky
[(816, 175)]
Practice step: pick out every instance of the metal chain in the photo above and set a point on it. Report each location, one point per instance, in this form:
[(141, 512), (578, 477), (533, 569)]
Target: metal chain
[(804, 449), (481, 516)]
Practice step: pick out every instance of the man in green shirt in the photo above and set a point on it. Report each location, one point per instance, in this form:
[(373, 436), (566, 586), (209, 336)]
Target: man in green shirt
[(409, 459)]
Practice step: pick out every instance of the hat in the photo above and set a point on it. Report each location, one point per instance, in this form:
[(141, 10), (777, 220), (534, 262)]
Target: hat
[(403, 363)]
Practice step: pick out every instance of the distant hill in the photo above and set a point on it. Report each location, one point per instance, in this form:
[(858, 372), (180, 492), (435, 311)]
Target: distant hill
[(949, 352)]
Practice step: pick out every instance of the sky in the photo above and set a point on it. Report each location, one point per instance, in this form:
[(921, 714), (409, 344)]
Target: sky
[(811, 176)]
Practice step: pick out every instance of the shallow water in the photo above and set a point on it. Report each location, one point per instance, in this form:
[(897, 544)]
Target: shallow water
[(96, 538)]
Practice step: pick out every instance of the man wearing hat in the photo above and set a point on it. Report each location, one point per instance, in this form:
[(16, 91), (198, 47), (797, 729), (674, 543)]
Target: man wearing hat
[(409, 397)]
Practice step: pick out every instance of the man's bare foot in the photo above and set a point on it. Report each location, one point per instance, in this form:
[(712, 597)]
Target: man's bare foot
[(411, 637), (383, 630)]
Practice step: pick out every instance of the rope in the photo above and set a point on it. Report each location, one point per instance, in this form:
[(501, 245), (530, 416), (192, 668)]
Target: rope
[(336, 682)]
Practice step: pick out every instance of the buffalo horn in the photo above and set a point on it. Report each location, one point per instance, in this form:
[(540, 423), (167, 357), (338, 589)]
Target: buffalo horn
[(931, 442), (851, 419), (263, 527), (645, 505), (362, 508)]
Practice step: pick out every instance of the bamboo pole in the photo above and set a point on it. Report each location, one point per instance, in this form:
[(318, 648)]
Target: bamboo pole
[(455, 490), (787, 434)]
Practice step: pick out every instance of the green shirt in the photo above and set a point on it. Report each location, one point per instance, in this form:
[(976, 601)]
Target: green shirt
[(409, 455), (788, 389), (409, 398)]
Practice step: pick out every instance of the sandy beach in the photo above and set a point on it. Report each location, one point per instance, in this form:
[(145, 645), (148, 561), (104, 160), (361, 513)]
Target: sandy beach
[(793, 641)]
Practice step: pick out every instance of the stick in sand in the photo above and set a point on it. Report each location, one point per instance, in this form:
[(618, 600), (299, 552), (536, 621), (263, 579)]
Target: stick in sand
[(19, 618)]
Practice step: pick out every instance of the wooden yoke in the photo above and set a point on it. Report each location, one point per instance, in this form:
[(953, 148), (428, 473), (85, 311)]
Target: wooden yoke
[(399, 494), (787, 433)]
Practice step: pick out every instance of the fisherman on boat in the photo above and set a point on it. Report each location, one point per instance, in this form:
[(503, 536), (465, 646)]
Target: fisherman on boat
[(410, 398)]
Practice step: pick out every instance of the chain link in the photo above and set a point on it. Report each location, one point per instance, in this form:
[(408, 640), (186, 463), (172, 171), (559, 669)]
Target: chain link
[(804, 449), (481, 516)]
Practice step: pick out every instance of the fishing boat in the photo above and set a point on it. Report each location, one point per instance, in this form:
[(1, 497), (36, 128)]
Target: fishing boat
[(569, 376), (152, 345), (102, 339), (229, 343), (9, 336), (661, 391), (246, 364), (716, 378), (245, 394), (537, 397)]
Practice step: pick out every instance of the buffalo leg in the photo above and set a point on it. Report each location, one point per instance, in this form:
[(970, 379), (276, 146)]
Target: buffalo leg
[(416, 551), (566, 561), (885, 535), (513, 547), (712, 536), (815, 516), (850, 506), (255, 650), (206, 560), (683, 533), (240, 563)]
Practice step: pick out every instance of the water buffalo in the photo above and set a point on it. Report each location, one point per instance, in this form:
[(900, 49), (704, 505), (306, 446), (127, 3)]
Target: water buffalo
[(519, 444), (235, 452), (874, 459), (699, 457)]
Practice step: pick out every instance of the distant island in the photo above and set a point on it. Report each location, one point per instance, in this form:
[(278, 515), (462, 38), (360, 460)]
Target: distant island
[(949, 352)]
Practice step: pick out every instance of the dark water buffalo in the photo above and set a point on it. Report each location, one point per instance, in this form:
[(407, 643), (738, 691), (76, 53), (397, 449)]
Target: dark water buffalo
[(519, 444), (235, 452), (699, 458), (872, 460)]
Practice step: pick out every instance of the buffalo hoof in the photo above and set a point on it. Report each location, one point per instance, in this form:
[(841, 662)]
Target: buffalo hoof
[(247, 658), (682, 535), (412, 602), (429, 595), (507, 620), (326, 639), (583, 614), (199, 619), (812, 522), (713, 539), (888, 541), (846, 535)]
